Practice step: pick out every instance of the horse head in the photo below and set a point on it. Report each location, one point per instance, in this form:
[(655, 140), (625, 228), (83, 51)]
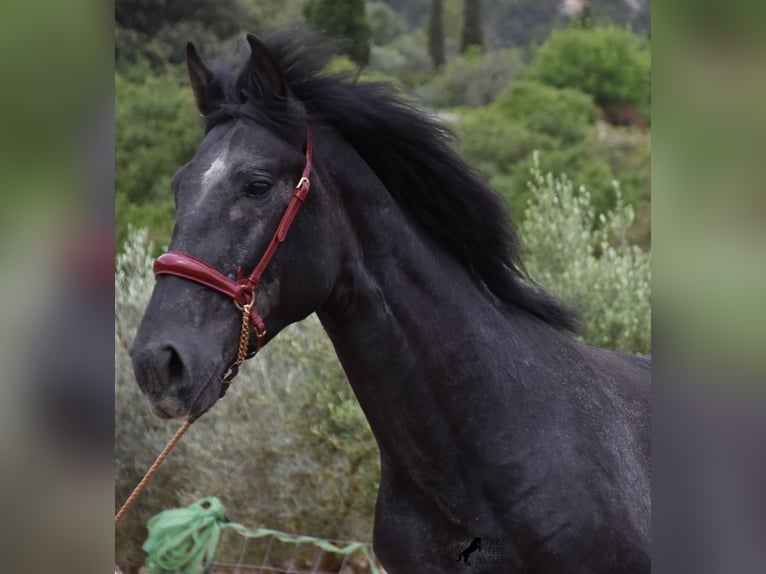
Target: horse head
[(232, 200)]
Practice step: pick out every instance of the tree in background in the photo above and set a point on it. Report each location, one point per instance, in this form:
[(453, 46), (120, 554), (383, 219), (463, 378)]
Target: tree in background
[(158, 31), (150, 16), (385, 24), (436, 34), (609, 63), (343, 19), (472, 33), (520, 22)]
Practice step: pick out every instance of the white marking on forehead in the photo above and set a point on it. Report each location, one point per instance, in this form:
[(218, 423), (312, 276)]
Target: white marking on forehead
[(213, 174)]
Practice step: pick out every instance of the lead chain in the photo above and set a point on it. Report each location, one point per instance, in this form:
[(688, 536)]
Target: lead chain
[(244, 335)]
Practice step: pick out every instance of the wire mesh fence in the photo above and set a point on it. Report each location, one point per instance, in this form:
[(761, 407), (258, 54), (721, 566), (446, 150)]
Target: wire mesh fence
[(272, 555)]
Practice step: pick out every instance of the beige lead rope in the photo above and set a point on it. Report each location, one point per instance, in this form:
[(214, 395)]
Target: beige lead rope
[(151, 472)]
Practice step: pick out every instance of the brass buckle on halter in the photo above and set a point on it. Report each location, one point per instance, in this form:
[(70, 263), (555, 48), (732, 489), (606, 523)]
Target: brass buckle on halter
[(303, 180)]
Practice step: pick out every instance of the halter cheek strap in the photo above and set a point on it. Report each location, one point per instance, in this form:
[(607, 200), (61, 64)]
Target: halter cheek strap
[(241, 291)]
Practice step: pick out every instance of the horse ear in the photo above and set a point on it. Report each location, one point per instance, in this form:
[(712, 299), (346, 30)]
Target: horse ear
[(200, 78), (266, 67)]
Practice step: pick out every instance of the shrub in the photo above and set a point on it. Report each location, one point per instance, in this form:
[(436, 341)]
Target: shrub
[(564, 114), (578, 163), (586, 260), (472, 79), (494, 143), (159, 31), (499, 139), (385, 23), (611, 64), (157, 130), (403, 57), (156, 217)]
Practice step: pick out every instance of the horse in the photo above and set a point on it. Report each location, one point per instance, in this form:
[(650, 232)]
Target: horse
[(492, 420), (465, 554)]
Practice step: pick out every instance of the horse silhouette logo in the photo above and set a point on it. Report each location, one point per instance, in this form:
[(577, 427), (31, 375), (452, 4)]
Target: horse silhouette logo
[(465, 554)]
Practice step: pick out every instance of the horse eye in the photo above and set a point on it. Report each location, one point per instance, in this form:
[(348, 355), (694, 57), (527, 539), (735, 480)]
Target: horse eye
[(257, 187)]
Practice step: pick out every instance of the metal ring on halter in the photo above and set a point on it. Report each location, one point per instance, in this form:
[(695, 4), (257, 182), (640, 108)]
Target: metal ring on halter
[(246, 306)]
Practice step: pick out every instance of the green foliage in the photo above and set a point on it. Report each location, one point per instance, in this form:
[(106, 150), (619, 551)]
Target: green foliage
[(157, 130), (618, 13), (472, 35), (472, 79), (611, 64), (586, 260), (267, 15), (436, 33), (159, 31), (493, 143), (499, 139), (343, 19), (564, 114), (577, 163), (385, 24), (521, 23), (155, 216), (222, 17), (405, 58), (287, 448)]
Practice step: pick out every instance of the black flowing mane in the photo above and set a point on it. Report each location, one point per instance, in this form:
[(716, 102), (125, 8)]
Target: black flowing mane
[(408, 151)]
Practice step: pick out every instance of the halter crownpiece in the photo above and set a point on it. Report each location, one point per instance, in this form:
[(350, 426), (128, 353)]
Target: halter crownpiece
[(241, 291)]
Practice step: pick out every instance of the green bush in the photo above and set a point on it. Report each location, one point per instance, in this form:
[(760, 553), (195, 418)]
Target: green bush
[(577, 163), (158, 31), (494, 143), (564, 114), (472, 79), (586, 260), (611, 64), (404, 57), (157, 130), (499, 140), (385, 23), (155, 216)]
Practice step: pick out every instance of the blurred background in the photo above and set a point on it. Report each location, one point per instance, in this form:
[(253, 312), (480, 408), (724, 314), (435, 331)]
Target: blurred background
[(509, 77)]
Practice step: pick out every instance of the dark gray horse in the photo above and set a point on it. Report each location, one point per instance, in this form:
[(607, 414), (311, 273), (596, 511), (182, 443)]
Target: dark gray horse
[(492, 421)]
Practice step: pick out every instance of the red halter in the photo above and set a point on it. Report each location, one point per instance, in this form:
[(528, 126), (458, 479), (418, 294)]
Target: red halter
[(242, 291)]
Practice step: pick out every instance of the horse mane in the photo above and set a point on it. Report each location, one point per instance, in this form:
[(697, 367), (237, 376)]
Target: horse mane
[(408, 151)]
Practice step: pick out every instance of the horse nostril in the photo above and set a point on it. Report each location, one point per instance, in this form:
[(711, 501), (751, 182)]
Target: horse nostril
[(175, 366)]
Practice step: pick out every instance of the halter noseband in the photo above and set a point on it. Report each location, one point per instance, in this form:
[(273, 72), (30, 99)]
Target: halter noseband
[(242, 291)]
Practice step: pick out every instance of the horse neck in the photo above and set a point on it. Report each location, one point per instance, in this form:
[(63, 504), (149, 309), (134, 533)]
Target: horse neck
[(415, 333)]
